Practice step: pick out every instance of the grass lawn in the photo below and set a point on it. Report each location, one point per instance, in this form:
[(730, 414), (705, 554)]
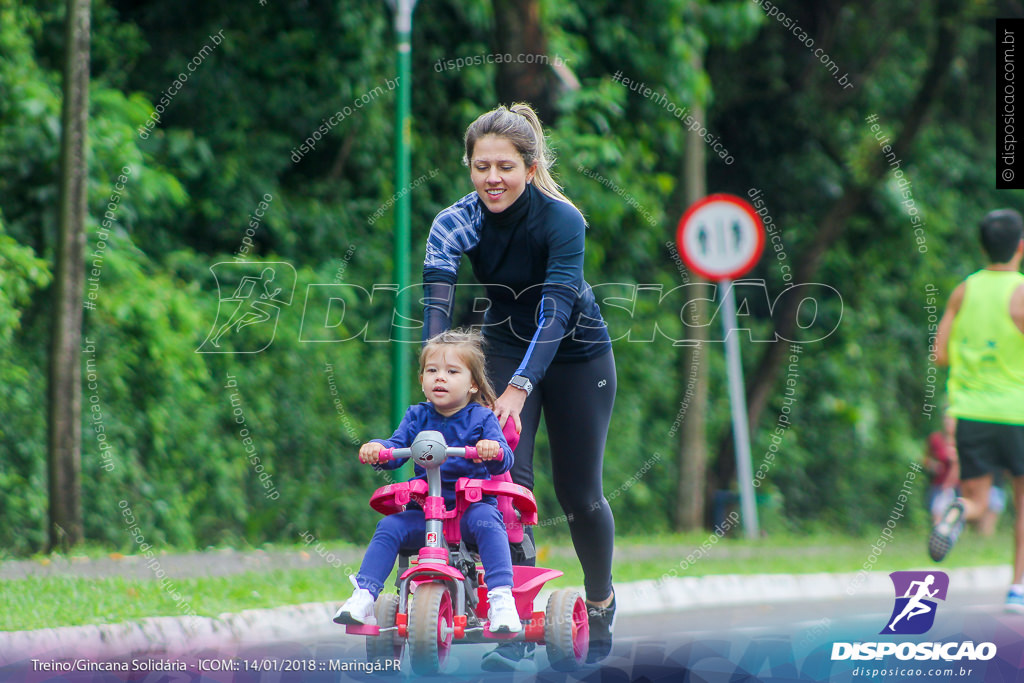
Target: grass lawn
[(41, 602)]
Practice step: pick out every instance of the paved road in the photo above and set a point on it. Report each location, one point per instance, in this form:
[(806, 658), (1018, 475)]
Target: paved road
[(786, 641), (771, 642), (782, 641)]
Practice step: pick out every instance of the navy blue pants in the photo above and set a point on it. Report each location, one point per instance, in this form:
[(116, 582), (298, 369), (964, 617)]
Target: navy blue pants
[(405, 531)]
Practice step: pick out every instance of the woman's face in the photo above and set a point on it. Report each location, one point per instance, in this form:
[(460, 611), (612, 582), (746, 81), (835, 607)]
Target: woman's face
[(499, 173)]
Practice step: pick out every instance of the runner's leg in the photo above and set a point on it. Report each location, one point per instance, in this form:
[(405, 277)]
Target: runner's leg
[(975, 493), (578, 400), (1018, 535)]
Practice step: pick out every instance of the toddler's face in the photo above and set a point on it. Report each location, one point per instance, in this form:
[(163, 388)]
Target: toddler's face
[(447, 382)]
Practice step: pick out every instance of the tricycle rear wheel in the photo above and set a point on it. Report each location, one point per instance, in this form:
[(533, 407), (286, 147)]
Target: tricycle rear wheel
[(387, 645), (566, 630)]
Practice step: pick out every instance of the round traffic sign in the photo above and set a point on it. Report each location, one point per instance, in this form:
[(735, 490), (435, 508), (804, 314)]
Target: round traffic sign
[(720, 237)]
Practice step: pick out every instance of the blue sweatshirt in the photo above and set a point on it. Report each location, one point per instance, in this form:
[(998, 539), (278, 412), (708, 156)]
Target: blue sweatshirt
[(530, 259), (464, 428)]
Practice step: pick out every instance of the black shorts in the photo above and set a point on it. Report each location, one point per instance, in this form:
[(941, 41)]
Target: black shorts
[(989, 447)]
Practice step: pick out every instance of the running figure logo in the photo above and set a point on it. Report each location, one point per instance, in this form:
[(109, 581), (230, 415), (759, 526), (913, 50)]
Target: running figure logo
[(916, 592), (258, 290)]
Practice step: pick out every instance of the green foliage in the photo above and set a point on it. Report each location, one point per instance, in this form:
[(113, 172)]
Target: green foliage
[(20, 273), (168, 204)]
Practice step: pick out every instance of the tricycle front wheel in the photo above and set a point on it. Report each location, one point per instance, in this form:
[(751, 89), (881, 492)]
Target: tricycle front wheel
[(431, 627)]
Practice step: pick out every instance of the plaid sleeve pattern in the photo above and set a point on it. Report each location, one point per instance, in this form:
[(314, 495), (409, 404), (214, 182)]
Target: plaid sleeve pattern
[(455, 231)]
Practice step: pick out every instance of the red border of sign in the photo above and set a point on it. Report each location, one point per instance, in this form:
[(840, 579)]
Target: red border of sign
[(743, 205)]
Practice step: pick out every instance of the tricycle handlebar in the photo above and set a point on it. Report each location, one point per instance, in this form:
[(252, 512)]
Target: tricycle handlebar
[(389, 454)]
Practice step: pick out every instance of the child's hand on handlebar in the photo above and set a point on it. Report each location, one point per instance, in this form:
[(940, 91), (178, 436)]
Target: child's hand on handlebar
[(487, 449), (369, 452)]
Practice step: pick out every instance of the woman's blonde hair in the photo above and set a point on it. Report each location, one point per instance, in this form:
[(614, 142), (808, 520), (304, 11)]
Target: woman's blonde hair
[(469, 346), (520, 125)]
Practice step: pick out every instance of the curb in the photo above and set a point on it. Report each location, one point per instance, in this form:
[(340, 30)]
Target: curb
[(646, 597), (170, 636)]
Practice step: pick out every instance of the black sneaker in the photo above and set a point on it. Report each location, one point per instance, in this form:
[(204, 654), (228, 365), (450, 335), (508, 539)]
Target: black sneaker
[(513, 656), (946, 532), (602, 622)]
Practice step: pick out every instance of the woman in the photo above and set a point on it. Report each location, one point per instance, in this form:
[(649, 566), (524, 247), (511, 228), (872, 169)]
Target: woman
[(547, 345)]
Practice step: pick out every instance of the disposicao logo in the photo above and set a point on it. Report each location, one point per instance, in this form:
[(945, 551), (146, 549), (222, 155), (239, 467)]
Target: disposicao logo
[(913, 614), (250, 296), (916, 593)]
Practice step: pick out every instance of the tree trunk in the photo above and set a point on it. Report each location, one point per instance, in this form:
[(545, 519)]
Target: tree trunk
[(65, 380), (519, 35), (693, 368)]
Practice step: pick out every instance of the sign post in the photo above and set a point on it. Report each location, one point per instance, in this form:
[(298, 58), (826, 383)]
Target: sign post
[(403, 140), (721, 238)]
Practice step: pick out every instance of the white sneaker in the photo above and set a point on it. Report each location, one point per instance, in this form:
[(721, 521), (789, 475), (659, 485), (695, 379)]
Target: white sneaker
[(1015, 600), (502, 615), (358, 609)]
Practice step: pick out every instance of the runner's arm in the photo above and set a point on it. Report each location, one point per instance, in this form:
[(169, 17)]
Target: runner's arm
[(946, 325), (1017, 308), (562, 284), (454, 231), (438, 302)]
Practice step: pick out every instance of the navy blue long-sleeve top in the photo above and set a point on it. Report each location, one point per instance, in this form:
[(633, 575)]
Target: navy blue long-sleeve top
[(464, 428), (530, 259)]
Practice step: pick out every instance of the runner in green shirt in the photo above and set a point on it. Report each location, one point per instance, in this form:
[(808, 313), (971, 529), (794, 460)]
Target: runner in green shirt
[(981, 338)]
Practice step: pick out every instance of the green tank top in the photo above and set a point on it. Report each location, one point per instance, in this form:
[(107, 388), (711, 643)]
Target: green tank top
[(986, 352)]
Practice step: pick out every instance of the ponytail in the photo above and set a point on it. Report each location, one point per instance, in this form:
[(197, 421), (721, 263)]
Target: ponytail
[(520, 125)]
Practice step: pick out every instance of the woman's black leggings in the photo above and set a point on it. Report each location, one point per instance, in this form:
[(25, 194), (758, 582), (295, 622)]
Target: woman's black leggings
[(577, 400)]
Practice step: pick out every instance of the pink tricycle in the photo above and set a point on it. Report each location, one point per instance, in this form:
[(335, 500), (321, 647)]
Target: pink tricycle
[(442, 597)]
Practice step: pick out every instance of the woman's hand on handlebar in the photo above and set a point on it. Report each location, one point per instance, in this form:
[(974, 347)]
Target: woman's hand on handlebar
[(369, 452), (509, 405)]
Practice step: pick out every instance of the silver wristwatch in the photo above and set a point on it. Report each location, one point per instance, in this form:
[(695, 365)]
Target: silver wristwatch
[(521, 382)]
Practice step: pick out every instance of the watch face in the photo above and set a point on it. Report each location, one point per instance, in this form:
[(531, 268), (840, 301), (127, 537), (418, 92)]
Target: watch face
[(521, 382)]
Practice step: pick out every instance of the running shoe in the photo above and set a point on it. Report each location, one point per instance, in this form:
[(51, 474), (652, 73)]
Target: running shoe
[(358, 609), (1015, 599), (602, 622), (512, 656), (946, 532), (502, 616)]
